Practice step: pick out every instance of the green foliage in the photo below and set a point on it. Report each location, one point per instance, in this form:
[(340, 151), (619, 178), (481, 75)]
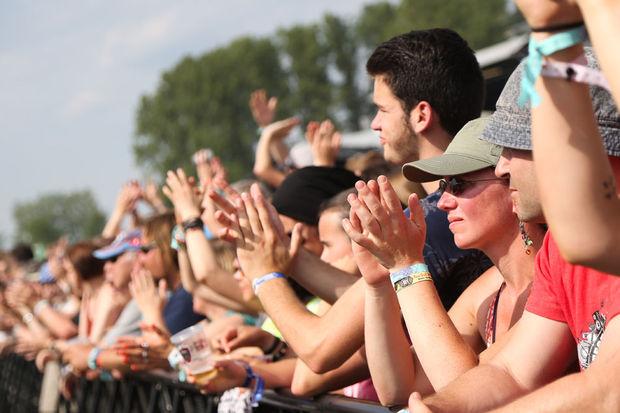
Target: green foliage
[(316, 70), (203, 102), (53, 215)]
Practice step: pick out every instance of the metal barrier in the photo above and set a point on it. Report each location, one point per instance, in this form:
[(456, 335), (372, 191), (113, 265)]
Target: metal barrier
[(20, 385)]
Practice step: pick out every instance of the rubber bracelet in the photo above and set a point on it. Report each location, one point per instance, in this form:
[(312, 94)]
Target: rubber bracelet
[(92, 358), (412, 280), (263, 279), (408, 271), (554, 28)]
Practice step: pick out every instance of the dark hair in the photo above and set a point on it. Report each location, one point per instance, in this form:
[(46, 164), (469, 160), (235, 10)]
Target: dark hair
[(22, 253), (436, 66), (81, 257)]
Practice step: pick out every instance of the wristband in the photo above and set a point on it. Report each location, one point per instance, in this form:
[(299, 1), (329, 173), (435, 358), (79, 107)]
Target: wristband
[(554, 28), (259, 384), (408, 271), (575, 71), (534, 61), (39, 306), (92, 358), (175, 358), (408, 281), (192, 223), (267, 277)]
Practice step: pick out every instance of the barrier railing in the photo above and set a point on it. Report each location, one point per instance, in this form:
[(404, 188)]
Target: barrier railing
[(20, 385)]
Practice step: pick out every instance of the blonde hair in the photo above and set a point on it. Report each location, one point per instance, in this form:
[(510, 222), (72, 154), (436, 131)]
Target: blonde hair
[(158, 229)]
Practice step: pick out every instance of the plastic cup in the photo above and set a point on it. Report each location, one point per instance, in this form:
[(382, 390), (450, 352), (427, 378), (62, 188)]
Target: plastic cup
[(193, 344)]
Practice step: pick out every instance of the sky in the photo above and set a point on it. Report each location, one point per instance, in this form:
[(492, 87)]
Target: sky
[(72, 72)]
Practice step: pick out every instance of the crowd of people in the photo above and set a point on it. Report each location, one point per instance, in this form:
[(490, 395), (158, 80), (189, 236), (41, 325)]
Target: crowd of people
[(484, 280)]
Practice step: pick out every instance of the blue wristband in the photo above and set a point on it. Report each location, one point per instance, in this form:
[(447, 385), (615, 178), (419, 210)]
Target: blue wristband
[(259, 385), (263, 279), (534, 60), (92, 358), (396, 276)]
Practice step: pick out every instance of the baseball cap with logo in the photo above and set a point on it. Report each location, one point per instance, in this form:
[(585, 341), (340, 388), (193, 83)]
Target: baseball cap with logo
[(125, 241)]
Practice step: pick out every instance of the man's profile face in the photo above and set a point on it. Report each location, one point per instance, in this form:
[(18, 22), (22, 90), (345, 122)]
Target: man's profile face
[(519, 166), (398, 139)]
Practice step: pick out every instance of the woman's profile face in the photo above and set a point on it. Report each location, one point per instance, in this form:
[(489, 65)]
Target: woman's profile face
[(482, 213)]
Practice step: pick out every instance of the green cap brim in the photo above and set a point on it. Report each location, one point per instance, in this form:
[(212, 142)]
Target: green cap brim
[(432, 169)]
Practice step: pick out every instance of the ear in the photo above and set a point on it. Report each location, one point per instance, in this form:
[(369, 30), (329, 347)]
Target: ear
[(421, 117)]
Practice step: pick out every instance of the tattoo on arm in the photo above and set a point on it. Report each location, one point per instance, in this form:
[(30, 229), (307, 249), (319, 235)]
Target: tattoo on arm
[(609, 187)]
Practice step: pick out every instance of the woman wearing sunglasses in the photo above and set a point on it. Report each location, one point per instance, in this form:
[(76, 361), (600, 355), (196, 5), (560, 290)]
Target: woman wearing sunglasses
[(156, 272), (442, 345)]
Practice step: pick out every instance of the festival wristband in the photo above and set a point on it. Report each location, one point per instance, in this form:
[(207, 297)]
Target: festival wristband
[(408, 281), (575, 71), (92, 358), (258, 387), (408, 271), (534, 61), (263, 279)]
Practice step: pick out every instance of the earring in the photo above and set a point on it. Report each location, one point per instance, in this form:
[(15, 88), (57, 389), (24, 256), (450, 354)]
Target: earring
[(527, 241)]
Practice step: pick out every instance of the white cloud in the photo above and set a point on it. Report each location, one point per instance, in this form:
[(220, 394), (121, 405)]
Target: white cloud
[(82, 102), (136, 40)]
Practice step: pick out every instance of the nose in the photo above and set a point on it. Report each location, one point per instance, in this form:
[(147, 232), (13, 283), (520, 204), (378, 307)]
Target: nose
[(502, 169), (376, 122), (447, 201)]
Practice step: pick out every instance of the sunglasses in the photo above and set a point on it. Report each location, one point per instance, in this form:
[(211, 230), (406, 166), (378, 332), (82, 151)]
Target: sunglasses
[(457, 186)]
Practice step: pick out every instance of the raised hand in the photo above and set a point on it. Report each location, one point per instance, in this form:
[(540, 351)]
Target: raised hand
[(324, 142), (151, 196), (260, 248), (280, 129), (151, 299), (396, 241), (181, 192), (263, 109), (128, 196)]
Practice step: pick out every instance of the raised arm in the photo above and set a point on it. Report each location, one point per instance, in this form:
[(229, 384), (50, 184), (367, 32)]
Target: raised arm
[(568, 149), (125, 203), (275, 132)]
